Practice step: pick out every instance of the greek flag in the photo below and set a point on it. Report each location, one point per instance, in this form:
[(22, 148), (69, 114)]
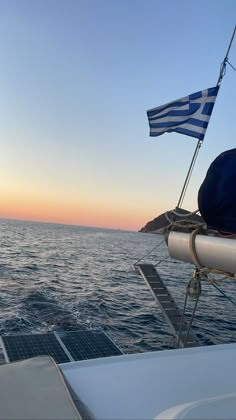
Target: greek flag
[(189, 115)]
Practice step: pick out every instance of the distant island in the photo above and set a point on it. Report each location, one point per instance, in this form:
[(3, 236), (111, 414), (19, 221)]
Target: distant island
[(159, 224)]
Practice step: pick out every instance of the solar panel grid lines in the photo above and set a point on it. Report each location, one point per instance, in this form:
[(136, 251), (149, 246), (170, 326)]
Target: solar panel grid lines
[(89, 345), (26, 346), (62, 346)]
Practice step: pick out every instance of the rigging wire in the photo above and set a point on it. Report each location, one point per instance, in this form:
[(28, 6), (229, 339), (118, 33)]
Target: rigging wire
[(191, 320), (224, 294), (161, 261), (182, 320), (149, 252), (227, 61)]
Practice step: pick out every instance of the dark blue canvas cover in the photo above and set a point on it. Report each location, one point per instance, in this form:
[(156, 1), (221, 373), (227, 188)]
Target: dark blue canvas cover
[(217, 194)]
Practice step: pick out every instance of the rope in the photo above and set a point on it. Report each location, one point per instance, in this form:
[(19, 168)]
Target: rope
[(187, 224), (186, 214), (205, 270), (192, 248), (198, 228), (225, 275), (225, 234)]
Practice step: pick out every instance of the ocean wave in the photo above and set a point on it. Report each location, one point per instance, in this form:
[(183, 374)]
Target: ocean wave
[(56, 277)]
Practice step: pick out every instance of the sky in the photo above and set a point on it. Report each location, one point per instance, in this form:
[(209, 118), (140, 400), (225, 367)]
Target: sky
[(76, 79)]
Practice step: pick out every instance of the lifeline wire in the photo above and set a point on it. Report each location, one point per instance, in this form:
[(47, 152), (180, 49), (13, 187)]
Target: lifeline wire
[(149, 252), (224, 294)]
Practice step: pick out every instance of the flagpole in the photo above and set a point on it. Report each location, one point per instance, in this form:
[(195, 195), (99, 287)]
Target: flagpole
[(186, 182), (181, 198)]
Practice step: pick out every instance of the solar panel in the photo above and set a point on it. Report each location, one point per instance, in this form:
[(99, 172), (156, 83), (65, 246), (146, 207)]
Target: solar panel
[(88, 344), (19, 347), (63, 347)]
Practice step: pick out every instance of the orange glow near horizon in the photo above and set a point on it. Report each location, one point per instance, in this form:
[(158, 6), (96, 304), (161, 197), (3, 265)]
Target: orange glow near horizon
[(81, 214)]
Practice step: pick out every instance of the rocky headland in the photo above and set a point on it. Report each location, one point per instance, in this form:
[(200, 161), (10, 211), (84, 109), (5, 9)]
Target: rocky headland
[(159, 224)]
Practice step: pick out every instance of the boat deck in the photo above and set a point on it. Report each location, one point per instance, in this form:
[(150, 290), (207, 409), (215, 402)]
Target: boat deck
[(189, 383)]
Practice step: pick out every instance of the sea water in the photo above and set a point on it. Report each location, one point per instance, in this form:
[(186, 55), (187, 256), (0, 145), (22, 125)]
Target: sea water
[(59, 277)]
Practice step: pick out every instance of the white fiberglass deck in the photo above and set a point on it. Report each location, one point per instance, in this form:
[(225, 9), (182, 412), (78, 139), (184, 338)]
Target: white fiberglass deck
[(174, 384)]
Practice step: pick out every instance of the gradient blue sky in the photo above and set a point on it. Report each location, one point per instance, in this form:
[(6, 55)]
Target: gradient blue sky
[(76, 79)]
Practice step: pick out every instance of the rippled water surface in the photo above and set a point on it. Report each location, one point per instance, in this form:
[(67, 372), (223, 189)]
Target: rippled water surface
[(58, 277)]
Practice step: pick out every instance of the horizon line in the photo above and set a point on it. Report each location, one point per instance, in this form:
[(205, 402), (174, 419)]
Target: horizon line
[(65, 224)]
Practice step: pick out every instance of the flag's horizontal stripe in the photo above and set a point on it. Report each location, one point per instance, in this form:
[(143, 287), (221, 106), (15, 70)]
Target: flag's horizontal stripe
[(191, 127), (179, 119), (178, 116), (169, 123), (168, 111), (176, 104), (190, 109), (197, 95), (197, 122), (172, 109), (205, 95), (175, 123), (191, 133), (180, 106), (188, 132), (169, 129)]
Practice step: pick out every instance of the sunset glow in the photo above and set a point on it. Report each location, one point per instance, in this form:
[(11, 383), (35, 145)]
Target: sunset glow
[(76, 80)]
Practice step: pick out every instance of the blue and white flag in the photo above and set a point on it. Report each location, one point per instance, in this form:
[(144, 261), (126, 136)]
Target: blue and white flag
[(189, 115)]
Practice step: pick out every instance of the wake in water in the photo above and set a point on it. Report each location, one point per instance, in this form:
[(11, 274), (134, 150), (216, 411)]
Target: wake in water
[(56, 277)]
